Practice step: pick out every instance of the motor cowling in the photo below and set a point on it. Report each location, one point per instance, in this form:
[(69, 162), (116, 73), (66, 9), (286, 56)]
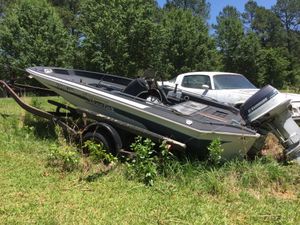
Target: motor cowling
[(269, 111)]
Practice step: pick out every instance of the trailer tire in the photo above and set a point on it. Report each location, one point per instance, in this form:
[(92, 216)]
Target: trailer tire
[(98, 139)]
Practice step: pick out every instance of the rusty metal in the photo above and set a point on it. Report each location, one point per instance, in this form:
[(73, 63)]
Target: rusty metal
[(34, 110)]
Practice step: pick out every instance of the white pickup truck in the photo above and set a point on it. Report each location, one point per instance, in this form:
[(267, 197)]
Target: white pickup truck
[(231, 88)]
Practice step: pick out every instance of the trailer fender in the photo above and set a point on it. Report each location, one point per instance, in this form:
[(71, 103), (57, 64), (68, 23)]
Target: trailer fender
[(105, 132)]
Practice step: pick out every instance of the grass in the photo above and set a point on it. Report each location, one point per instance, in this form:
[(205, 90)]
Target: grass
[(31, 192)]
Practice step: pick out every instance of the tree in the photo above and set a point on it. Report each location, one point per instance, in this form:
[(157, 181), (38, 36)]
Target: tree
[(189, 47), (198, 7), (273, 67), (4, 4), (31, 33), (68, 11), (119, 36), (250, 11), (268, 27), (229, 33), (247, 55), (288, 11)]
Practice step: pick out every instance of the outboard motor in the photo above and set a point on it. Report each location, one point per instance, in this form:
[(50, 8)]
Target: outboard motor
[(269, 111)]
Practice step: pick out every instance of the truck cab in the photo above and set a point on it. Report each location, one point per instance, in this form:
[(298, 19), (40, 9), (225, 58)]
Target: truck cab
[(231, 88)]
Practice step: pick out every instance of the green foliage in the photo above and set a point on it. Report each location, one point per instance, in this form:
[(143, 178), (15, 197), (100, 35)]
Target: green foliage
[(68, 11), (31, 33), (98, 153), (198, 7), (272, 67), (264, 50), (247, 54), (268, 28), (288, 12), (215, 151), (64, 157), (119, 36), (229, 33), (143, 166), (129, 37), (188, 46), (147, 163)]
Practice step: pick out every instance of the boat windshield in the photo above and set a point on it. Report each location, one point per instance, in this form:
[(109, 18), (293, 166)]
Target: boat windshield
[(228, 81), (188, 108)]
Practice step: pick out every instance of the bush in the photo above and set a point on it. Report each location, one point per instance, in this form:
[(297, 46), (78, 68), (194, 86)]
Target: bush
[(215, 151), (148, 163), (64, 157), (98, 153)]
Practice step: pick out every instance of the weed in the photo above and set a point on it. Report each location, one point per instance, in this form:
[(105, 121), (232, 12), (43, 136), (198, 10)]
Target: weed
[(64, 157), (213, 183), (143, 166), (215, 151), (36, 102), (98, 153), (148, 163)]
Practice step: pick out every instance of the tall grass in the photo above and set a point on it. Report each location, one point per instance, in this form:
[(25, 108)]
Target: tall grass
[(237, 192)]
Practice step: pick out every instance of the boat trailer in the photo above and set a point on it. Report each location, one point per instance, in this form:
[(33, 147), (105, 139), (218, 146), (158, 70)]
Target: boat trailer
[(83, 124)]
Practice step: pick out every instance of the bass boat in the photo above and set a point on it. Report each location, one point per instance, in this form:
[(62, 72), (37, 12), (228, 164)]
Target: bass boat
[(193, 120)]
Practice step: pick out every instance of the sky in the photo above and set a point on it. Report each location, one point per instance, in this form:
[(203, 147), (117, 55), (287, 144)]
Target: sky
[(217, 6)]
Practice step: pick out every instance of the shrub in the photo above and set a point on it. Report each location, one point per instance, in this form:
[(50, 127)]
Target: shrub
[(215, 151), (98, 153), (148, 163), (64, 157)]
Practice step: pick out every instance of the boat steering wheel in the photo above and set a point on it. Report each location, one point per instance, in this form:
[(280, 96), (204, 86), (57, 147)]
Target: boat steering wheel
[(152, 95)]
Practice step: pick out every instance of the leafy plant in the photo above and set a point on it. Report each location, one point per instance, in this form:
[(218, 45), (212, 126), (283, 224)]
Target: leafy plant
[(98, 153), (148, 163), (62, 154), (143, 166), (65, 157), (215, 151)]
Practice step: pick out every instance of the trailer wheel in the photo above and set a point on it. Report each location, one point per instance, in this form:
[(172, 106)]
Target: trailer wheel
[(98, 139)]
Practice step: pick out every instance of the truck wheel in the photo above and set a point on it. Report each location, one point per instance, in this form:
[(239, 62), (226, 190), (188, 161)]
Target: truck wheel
[(98, 139)]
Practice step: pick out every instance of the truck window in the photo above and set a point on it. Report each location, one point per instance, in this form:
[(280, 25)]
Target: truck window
[(196, 81)]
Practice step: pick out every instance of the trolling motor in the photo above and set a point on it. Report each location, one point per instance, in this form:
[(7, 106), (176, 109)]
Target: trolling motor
[(269, 111)]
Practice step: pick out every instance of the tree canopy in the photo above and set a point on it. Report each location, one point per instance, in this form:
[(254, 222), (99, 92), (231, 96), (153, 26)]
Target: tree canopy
[(31, 33), (129, 37)]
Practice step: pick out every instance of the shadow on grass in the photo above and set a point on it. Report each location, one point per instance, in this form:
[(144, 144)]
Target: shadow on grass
[(4, 115), (95, 176), (42, 128)]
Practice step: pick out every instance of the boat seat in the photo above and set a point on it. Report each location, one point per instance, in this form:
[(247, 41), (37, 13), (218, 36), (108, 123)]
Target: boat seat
[(136, 87)]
